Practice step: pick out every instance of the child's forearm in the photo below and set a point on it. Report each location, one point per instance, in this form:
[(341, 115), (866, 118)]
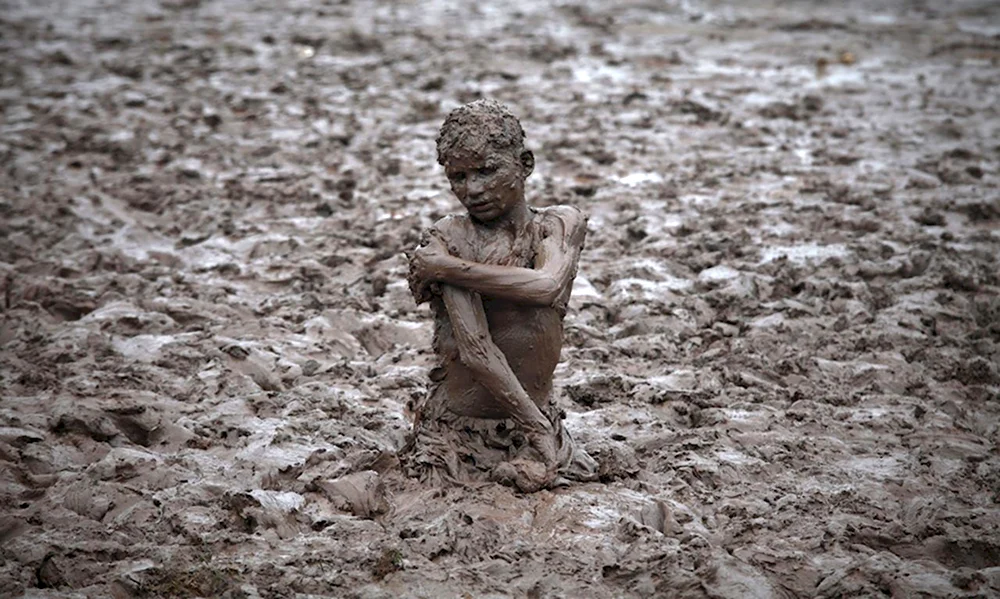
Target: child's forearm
[(478, 352), (541, 287)]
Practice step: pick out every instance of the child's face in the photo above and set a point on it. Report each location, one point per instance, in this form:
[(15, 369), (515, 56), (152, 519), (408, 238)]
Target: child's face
[(488, 183)]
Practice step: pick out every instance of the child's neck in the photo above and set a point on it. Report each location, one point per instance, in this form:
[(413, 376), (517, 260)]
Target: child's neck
[(513, 222)]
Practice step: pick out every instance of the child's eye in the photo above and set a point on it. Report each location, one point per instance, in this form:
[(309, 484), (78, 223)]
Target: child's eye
[(457, 177), (487, 170)]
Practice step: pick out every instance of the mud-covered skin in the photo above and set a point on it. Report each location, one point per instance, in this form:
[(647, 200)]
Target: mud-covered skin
[(504, 273), (490, 182), (491, 350), (529, 335)]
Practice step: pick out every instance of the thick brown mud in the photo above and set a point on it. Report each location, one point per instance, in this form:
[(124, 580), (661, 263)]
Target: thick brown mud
[(782, 344)]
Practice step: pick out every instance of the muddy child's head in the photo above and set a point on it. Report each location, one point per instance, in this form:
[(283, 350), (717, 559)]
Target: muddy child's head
[(481, 147)]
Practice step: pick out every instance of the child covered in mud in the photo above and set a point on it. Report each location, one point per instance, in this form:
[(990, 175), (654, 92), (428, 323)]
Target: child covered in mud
[(498, 279)]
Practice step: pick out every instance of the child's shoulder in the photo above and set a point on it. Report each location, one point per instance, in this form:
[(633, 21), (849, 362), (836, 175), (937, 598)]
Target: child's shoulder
[(453, 224), (568, 217), (563, 212), (456, 231), (452, 228)]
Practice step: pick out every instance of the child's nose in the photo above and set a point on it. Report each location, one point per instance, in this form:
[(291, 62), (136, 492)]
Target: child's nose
[(475, 186)]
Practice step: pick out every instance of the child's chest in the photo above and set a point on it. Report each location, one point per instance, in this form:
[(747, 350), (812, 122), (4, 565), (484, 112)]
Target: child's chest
[(505, 249)]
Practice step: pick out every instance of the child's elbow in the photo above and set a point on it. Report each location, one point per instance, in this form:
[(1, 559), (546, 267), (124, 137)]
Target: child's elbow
[(548, 292)]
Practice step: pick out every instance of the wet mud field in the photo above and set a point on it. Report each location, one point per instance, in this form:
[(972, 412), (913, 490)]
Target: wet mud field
[(782, 347)]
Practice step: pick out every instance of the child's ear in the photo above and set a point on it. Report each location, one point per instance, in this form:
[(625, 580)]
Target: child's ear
[(528, 162)]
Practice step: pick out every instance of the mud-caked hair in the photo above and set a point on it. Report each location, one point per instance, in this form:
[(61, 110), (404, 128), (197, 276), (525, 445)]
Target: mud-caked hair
[(477, 126)]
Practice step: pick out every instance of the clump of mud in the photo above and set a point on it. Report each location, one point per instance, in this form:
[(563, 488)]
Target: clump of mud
[(782, 345)]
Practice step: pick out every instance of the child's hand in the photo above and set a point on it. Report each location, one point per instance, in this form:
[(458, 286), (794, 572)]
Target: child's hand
[(426, 262)]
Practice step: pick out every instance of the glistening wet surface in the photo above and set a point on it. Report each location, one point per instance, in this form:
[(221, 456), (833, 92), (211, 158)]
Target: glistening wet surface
[(782, 345)]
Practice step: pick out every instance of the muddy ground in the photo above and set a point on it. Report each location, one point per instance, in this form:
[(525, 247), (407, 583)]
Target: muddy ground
[(784, 342)]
